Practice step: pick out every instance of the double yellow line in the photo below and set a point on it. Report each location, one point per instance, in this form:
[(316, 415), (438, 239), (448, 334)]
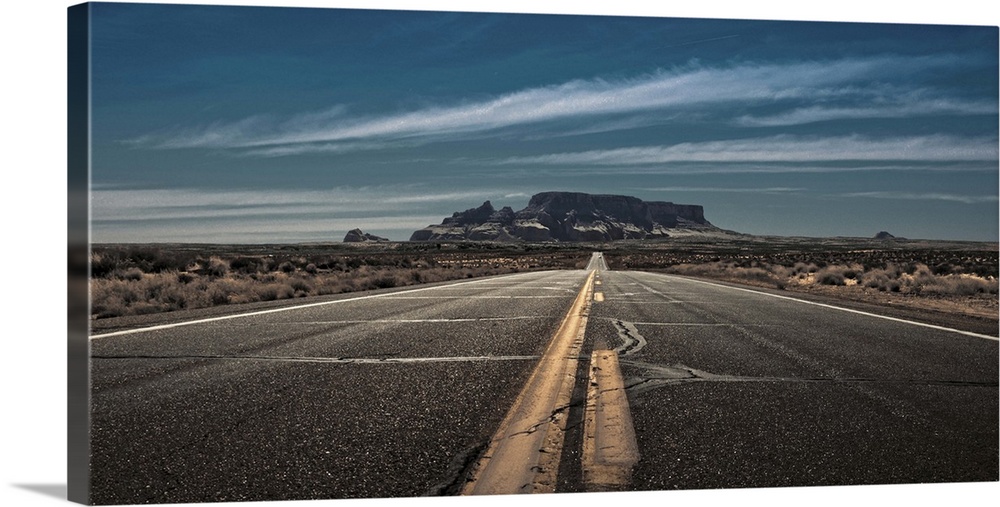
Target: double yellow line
[(524, 454)]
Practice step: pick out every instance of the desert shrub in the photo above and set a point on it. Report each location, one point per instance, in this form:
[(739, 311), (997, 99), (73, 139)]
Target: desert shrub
[(945, 268), (273, 291), (882, 279), (803, 268), (103, 264), (755, 274), (105, 303), (161, 261), (246, 265), (311, 268), (960, 285), (830, 276), (300, 285), (384, 281), (780, 272), (213, 266), (286, 267), (132, 274), (924, 280)]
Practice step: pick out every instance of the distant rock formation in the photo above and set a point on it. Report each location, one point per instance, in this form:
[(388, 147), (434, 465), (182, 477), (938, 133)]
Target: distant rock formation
[(570, 216), (884, 235), (359, 236)]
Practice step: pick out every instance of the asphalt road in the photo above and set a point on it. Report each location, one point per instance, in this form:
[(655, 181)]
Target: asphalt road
[(380, 397), (399, 393), (735, 388)]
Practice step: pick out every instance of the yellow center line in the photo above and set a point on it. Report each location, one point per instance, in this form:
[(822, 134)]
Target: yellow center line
[(524, 454), (609, 446)]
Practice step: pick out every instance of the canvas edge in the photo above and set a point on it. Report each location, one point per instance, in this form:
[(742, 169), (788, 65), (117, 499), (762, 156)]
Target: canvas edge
[(78, 254)]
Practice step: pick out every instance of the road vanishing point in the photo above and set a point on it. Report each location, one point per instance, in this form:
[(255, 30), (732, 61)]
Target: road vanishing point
[(552, 381)]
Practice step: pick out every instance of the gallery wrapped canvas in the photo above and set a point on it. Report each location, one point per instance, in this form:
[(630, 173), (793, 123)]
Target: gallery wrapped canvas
[(340, 253)]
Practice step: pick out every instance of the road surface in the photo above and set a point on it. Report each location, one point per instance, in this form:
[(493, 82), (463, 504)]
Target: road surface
[(735, 388), (409, 392)]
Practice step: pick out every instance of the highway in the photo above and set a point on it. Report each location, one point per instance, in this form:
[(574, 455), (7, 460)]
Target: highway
[(737, 388), (416, 391)]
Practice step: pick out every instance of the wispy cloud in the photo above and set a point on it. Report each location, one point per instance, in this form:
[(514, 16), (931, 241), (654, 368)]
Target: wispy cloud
[(279, 215), (256, 229), (681, 89), (766, 190), (928, 196), (913, 107), (198, 204), (783, 148)]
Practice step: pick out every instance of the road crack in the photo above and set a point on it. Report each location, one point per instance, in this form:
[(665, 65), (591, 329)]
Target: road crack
[(632, 341), (458, 471), (661, 376)]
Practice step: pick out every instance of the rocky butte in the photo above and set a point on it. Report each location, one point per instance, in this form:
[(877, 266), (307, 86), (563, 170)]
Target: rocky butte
[(359, 236), (571, 216)]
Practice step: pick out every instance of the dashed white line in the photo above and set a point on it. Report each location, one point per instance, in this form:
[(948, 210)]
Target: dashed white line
[(474, 297), (391, 321), (344, 360)]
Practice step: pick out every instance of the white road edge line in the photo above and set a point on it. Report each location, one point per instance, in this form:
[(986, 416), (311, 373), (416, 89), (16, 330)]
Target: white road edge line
[(343, 360), (283, 309), (824, 305)]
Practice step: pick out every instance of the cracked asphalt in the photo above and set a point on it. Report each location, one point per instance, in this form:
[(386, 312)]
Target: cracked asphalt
[(732, 389), (381, 397), (398, 392)]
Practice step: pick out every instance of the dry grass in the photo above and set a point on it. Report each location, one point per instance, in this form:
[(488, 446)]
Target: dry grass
[(135, 280), (917, 279), (957, 278)]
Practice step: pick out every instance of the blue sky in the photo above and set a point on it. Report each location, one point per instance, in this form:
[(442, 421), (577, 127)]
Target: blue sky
[(255, 125)]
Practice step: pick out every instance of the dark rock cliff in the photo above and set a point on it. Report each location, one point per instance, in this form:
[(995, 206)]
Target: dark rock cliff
[(569, 216)]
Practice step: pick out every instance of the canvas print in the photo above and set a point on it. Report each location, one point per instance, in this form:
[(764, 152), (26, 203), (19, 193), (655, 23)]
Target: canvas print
[(345, 253)]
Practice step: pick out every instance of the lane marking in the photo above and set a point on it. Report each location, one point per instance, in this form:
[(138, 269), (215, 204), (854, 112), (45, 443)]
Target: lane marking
[(849, 310), (598, 296), (475, 297), (339, 360), (524, 454), (706, 324), (390, 321), (284, 309), (610, 449)]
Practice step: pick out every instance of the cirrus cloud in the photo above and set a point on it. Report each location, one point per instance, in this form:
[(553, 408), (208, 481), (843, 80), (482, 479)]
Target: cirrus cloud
[(857, 82), (782, 148)]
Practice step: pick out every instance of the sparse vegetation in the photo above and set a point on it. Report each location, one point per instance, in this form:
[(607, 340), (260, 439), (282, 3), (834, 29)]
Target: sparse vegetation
[(135, 280), (914, 273), (131, 280)]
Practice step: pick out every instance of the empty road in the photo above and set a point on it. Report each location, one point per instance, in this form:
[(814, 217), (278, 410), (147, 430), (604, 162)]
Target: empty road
[(412, 392), (736, 388)]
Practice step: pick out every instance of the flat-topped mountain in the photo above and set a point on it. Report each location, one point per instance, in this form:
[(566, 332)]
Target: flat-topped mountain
[(571, 216)]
